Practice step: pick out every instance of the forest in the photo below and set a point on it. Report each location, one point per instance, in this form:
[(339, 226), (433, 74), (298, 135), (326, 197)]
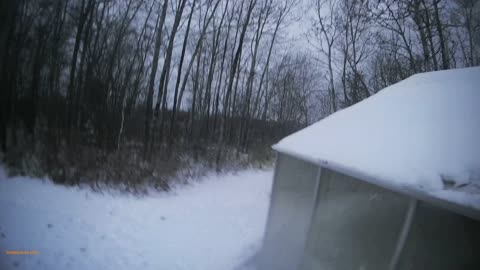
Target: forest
[(132, 92)]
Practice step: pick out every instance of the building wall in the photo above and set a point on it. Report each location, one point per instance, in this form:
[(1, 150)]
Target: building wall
[(356, 225), (440, 239), (291, 207)]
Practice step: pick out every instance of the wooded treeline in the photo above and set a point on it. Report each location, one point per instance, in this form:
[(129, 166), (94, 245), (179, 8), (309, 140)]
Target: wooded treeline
[(137, 85), (365, 46), (147, 78)]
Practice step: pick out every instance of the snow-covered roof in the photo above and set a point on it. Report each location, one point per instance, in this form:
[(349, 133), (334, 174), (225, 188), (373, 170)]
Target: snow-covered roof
[(420, 136)]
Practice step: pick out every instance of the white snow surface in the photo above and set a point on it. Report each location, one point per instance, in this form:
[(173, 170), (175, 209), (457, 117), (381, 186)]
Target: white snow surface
[(216, 223), (414, 134)]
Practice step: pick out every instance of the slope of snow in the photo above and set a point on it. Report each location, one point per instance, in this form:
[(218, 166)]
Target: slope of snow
[(419, 134), (216, 223)]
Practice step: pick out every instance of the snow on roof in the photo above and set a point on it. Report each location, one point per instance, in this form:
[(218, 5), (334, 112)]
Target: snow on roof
[(420, 135)]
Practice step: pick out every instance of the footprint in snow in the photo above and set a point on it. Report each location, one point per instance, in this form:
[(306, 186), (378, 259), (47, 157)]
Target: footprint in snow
[(82, 249), (49, 225), (3, 235)]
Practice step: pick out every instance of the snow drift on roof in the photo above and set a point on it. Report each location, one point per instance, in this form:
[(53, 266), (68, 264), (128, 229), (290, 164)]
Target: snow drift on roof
[(422, 133)]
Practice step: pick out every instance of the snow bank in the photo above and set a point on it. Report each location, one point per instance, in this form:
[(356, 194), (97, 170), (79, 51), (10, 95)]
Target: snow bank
[(421, 133), (214, 224)]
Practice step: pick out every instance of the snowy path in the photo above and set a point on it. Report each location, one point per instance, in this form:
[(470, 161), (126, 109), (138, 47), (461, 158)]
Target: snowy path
[(217, 223)]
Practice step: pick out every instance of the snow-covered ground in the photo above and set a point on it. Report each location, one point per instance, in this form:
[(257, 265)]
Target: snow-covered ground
[(215, 223)]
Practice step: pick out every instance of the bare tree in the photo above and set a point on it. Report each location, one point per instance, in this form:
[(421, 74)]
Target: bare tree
[(149, 101), (234, 67), (179, 74), (327, 31)]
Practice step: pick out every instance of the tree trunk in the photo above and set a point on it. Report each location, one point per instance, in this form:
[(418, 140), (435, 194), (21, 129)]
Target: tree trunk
[(163, 87), (85, 10), (235, 64), (441, 37), (179, 75), (151, 84), (7, 17)]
